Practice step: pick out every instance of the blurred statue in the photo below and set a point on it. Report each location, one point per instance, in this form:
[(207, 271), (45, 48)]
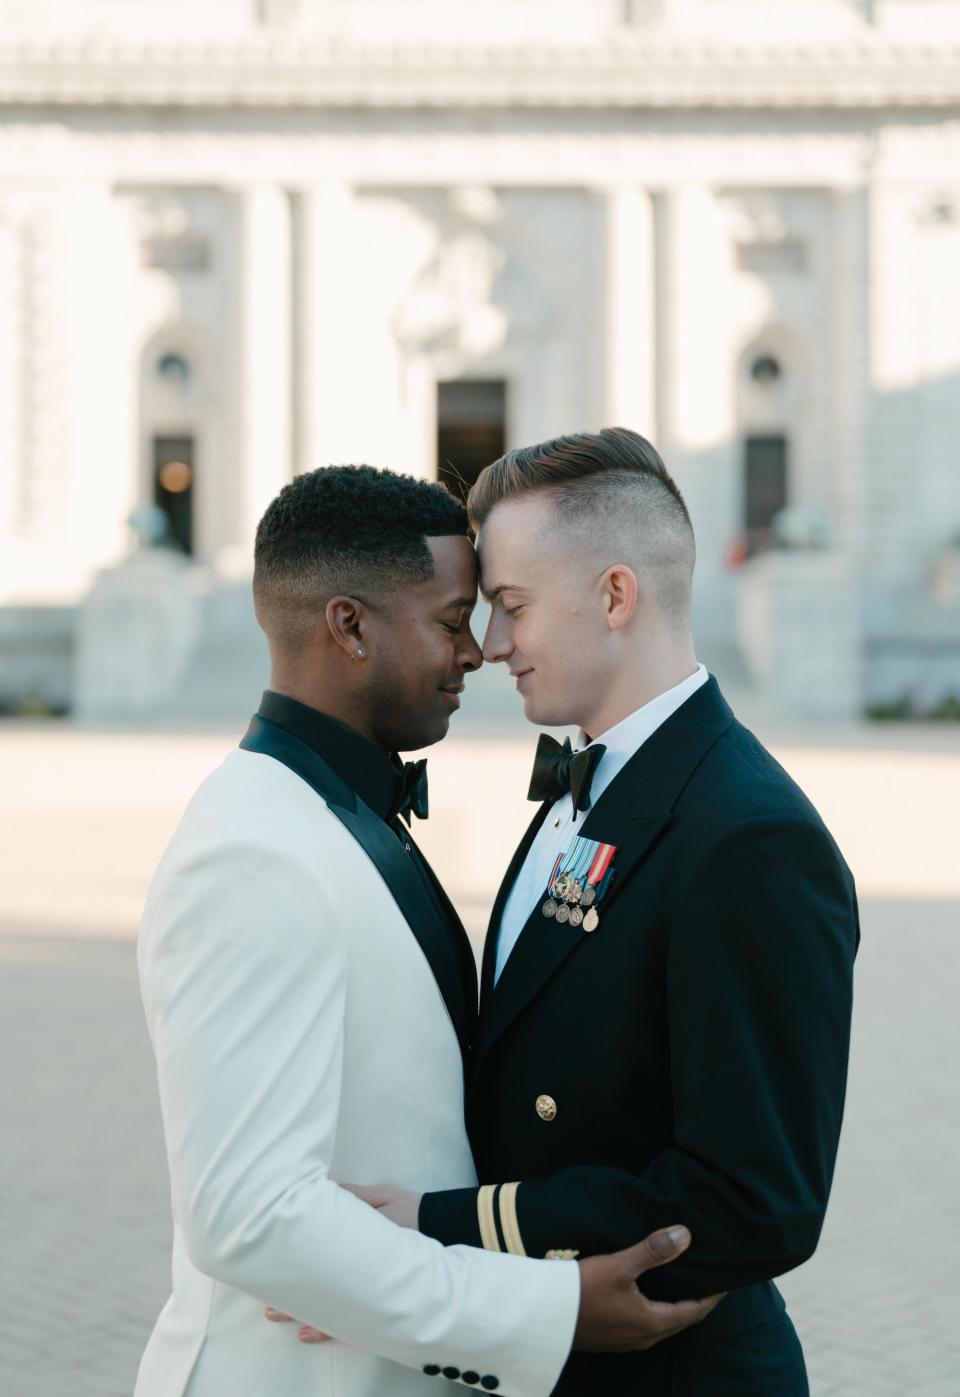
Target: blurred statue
[(137, 629)]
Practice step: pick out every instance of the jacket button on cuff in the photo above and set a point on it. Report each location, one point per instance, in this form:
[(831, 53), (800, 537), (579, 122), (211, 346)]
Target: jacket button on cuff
[(451, 1373), (432, 1370), (470, 1376), (490, 1382)]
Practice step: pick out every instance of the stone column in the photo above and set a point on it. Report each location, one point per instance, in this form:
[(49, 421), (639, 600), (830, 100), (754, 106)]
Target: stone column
[(10, 376), (631, 311), (696, 349), (265, 372), (850, 368), (323, 259), (104, 358)]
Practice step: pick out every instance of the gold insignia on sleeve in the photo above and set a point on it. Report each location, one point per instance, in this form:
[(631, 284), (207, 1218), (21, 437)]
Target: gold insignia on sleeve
[(488, 1228), (508, 1220), (562, 1254)]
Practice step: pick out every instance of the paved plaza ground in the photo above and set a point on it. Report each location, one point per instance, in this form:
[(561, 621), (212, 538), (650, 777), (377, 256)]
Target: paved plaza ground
[(84, 1214)]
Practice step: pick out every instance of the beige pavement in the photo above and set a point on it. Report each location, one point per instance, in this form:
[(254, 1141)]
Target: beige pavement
[(83, 1200)]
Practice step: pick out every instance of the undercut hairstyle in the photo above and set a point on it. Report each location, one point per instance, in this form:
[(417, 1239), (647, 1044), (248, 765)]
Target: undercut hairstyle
[(612, 491), (345, 530)]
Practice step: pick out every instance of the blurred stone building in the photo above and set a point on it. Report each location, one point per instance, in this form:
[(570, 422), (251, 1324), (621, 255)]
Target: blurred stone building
[(241, 238)]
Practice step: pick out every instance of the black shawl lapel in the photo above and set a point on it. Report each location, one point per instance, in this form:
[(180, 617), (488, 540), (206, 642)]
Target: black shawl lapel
[(632, 813), (459, 935), (509, 878), (388, 857)]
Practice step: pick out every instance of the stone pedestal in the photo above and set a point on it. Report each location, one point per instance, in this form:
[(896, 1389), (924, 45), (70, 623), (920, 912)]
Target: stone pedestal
[(137, 632), (799, 629)]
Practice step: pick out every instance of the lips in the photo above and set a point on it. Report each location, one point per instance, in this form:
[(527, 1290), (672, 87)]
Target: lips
[(451, 693), (519, 674)]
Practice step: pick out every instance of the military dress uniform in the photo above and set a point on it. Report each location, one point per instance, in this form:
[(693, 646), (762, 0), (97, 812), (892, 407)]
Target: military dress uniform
[(668, 1043)]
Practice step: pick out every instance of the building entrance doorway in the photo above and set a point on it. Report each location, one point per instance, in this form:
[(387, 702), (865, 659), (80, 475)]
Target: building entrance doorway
[(471, 429)]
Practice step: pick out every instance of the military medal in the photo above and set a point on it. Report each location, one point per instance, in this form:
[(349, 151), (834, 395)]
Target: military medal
[(578, 881), (562, 886)]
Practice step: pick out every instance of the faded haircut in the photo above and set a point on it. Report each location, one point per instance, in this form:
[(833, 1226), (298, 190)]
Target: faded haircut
[(611, 488), (353, 530)]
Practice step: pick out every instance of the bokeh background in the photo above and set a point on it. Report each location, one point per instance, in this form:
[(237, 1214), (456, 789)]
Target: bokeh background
[(243, 238)]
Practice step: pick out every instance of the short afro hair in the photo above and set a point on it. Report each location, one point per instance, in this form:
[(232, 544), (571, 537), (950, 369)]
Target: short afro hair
[(357, 530)]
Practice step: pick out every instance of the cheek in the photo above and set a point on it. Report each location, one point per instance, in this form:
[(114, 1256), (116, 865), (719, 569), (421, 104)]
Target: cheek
[(428, 657), (402, 654), (546, 635)]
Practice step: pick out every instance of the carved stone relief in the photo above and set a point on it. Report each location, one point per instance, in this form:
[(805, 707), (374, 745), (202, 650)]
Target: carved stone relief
[(476, 289)]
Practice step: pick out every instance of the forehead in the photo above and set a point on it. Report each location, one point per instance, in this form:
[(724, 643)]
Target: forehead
[(455, 568), (513, 544)]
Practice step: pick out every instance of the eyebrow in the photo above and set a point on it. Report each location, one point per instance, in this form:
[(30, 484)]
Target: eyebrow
[(498, 591), (463, 603)]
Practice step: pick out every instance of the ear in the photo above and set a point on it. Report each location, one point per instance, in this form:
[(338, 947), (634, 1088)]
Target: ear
[(347, 621), (620, 593)]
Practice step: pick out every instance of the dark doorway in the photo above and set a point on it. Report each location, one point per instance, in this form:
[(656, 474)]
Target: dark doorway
[(173, 480), (766, 488), (471, 429)]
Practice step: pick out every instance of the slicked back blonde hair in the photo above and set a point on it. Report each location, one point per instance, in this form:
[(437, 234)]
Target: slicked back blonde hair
[(566, 464)]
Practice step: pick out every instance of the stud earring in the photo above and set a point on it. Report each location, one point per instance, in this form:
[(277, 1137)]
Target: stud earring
[(360, 653)]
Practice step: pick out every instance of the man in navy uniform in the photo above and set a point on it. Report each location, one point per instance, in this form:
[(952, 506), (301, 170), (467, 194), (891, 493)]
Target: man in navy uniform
[(667, 979)]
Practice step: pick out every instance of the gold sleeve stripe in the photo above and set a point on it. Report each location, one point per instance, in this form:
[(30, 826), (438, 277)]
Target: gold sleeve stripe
[(508, 1220), (488, 1228)]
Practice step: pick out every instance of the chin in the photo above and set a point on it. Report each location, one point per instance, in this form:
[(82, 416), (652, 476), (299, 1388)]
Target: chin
[(428, 735), (546, 715)]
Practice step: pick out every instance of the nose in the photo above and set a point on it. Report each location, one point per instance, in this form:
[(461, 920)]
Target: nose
[(497, 645), (470, 656)]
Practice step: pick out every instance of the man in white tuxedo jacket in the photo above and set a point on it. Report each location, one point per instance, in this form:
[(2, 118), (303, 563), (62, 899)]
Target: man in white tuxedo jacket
[(311, 1000)]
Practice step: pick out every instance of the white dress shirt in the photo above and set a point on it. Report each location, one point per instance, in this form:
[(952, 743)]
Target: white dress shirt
[(562, 823)]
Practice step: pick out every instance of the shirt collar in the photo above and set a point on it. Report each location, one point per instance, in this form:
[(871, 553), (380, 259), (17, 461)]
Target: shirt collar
[(374, 776), (628, 736)]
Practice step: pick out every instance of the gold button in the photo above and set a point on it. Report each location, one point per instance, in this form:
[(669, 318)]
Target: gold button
[(546, 1108)]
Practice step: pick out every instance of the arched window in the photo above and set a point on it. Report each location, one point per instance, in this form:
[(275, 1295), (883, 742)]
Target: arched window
[(173, 369)]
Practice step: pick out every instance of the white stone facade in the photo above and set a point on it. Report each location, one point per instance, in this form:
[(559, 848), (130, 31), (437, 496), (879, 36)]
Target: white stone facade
[(272, 227)]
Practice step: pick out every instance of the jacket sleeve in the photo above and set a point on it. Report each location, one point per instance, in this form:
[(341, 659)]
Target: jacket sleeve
[(244, 974), (759, 988)]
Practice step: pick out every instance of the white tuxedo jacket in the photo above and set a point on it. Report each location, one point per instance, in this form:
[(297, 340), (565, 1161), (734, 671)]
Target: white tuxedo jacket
[(301, 1038)]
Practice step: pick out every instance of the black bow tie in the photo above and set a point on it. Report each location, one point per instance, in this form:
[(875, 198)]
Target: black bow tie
[(412, 795), (557, 769)]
